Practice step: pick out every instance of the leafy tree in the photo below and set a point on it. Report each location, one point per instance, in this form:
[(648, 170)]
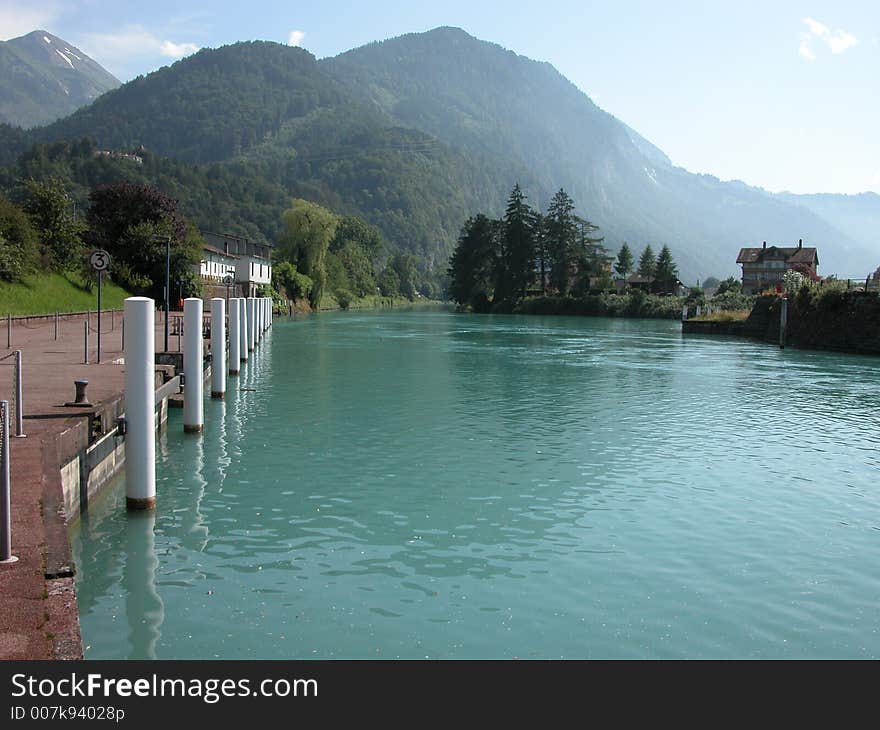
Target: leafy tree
[(133, 223), (352, 229), (711, 283), (389, 282), (286, 279), (624, 263), (358, 268), (665, 272), (471, 267), (730, 284), (18, 242), (50, 209), (305, 240), (647, 262), (562, 238), (404, 265)]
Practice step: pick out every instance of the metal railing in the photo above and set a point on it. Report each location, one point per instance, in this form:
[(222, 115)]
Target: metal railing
[(6, 555), (17, 391)]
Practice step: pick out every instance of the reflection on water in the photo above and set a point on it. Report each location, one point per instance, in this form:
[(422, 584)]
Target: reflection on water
[(430, 484)]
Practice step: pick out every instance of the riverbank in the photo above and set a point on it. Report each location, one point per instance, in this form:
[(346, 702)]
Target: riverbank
[(67, 454), (635, 303), (819, 319)]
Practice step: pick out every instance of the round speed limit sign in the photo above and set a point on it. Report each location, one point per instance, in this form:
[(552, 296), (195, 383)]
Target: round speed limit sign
[(99, 260)]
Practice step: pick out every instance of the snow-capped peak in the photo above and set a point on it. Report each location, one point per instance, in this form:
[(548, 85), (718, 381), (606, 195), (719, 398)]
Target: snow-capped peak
[(69, 62)]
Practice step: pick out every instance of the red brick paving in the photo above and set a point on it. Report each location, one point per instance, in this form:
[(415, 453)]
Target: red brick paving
[(38, 616)]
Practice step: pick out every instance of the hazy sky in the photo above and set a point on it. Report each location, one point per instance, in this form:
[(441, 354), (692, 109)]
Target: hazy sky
[(778, 93)]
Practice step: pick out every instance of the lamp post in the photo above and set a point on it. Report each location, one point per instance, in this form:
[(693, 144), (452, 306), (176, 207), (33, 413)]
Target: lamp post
[(167, 285)]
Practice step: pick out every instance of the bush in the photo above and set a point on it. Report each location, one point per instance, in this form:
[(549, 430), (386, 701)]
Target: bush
[(18, 242)]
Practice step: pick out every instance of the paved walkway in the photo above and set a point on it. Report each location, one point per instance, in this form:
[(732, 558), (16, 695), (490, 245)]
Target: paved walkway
[(38, 616)]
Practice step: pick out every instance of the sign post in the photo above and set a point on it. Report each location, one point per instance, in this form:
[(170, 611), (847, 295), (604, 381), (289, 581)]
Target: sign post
[(99, 261)]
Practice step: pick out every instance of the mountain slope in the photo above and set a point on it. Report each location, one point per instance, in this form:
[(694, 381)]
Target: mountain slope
[(418, 132), (533, 125), (43, 77)]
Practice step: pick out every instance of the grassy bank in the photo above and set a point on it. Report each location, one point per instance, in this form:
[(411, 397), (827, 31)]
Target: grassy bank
[(48, 293), (632, 304), (329, 302)]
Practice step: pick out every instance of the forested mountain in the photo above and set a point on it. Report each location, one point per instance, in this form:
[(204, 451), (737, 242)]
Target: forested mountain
[(415, 134), (43, 77)]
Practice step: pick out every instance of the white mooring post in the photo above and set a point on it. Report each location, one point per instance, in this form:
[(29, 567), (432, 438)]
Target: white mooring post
[(251, 321), (684, 312), (258, 320), (242, 329), (218, 347), (193, 366), (268, 313), (140, 404), (234, 337)]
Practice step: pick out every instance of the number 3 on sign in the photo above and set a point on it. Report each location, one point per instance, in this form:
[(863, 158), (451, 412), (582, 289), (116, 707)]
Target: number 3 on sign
[(99, 260)]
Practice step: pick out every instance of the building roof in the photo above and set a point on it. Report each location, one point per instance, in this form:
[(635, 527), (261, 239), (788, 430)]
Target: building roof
[(216, 249), (791, 254), (639, 279), (233, 237)]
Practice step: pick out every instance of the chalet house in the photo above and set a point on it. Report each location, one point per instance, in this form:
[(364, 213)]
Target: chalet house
[(763, 268), (249, 261)]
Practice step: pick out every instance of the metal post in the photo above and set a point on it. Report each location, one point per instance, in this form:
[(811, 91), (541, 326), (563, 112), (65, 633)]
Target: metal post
[(99, 318), (684, 312), (140, 404), (193, 366), (56, 325), (783, 322), (19, 399), (234, 336), (167, 285), (6, 555), (86, 342), (243, 329), (123, 333), (8, 331), (218, 348)]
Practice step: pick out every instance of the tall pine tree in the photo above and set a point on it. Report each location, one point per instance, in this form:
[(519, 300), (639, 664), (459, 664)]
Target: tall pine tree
[(665, 272), (473, 264), (517, 261), (562, 239), (647, 262), (624, 262)]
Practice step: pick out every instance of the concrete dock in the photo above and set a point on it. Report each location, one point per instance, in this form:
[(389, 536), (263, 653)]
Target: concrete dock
[(38, 611)]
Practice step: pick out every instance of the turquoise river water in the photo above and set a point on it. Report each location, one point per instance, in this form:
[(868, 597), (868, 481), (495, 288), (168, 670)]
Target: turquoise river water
[(430, 484)]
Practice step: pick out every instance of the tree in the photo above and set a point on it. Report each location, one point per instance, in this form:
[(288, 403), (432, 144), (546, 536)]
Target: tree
[(591, 257), (354, 230), (50, 209), (472, 265), (665, 272), (404, 265), (305, 240), (517, 261), (18, 242), (542, 248), (624, 262), (730, 284), (389, 282), (647, 262), (132, 223), (286, 279), (562, 236)]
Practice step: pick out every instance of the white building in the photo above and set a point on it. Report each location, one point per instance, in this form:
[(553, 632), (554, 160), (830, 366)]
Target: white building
[(250, 260)]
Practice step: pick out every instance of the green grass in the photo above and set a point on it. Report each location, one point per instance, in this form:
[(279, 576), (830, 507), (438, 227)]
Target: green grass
[(48, 293), (328, 301), (725, 315)]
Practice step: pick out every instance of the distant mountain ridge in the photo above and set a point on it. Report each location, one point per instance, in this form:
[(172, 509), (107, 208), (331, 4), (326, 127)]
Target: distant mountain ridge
[(417, 132), (43, 78)]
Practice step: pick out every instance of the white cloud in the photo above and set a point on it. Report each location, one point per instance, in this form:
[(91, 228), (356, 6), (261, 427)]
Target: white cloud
[(840, 42), (837, 41), (18, 18), (177, 50), (816, 28), (295, 37), (806, 51), (131, 46)]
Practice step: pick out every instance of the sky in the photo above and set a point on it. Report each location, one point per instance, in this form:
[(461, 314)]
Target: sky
[(781, 94)]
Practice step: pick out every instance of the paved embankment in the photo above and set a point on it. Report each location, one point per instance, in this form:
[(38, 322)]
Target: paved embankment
[(38, 612)]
